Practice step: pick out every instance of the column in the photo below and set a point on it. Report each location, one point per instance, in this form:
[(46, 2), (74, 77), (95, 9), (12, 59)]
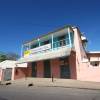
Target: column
[(69, 38), (52, 42), (21, 50), (39, 42)]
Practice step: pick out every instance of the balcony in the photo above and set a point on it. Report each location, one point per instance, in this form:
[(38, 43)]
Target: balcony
[(49, 51)]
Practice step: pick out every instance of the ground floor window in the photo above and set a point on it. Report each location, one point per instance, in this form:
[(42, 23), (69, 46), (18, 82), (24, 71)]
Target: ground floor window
[(95, 63)]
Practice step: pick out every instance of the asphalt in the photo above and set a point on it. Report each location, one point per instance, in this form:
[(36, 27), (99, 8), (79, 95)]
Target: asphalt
[(14, 92)]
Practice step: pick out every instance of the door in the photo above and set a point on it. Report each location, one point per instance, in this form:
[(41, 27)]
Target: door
[(65, 71), (47, 69), (7, 74), (34, 69)]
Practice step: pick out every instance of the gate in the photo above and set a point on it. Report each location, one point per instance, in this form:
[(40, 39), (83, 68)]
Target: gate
[(7, 74)]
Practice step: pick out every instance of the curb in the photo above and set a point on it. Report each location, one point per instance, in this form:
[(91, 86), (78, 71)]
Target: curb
[(69, 87)]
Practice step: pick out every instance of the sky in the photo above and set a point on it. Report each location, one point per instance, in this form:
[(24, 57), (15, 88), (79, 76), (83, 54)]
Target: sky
[(22, 20)]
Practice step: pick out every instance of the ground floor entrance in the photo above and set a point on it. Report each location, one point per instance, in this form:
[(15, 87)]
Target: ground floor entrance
[(34, 69), (59, 68), (47, 69), (64, 68), (64, 71)]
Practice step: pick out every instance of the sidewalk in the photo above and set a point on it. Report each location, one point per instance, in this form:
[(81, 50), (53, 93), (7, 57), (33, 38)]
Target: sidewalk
[(65, 83)]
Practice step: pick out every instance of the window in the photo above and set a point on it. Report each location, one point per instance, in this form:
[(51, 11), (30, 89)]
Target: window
[(46, 42), (72, 38), (62, 37), (26, 48), (64, 60), (67, 39), (62, 40), (34, 46), (95, 63)]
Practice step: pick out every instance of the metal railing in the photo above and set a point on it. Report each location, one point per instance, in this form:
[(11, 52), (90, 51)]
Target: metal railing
[(61, 43), (56, 45)]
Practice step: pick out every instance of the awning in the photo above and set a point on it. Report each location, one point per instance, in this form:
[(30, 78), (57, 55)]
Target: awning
[(65, 51)]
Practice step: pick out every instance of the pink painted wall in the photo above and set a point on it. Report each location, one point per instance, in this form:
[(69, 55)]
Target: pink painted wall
[(85, 71), (89, 72), (0, 74), (72, 63), (23, 72), (55, 68), (20, 73)]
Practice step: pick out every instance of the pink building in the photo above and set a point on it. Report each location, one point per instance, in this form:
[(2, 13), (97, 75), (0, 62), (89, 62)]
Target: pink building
[(61, 54)]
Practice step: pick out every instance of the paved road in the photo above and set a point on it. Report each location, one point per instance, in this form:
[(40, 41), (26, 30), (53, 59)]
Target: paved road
[(47, 93)]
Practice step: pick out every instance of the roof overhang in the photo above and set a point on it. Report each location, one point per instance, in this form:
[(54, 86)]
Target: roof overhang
[(7, 64), (11, 64)]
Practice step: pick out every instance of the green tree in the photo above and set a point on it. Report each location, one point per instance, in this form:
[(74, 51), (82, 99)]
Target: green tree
[(12, 56), (8, 56), (2, 57)]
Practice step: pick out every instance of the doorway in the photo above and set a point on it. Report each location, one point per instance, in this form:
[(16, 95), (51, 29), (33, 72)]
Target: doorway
[(47, 69), (34, 69), (64, 68), (65, 71)]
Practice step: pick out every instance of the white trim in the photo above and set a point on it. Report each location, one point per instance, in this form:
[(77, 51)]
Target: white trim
[(93, 52)]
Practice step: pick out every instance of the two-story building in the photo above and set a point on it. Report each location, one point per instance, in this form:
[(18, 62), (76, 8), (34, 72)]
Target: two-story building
[(61, 54), (58, 54)]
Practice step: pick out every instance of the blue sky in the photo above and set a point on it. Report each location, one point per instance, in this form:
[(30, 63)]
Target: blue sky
[(22, 20)]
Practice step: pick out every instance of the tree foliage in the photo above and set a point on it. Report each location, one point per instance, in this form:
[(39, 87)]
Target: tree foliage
[(2, 57), (8, 56)]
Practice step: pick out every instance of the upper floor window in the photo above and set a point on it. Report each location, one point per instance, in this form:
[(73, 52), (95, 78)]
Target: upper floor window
[(62, 37), (72, 38), (46, 42), (34, 46), (26, 48), (94, 63)]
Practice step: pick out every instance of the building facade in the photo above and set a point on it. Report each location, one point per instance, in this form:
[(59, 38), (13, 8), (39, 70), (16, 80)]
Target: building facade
[(9, 70), (50, 55), (59, 54)]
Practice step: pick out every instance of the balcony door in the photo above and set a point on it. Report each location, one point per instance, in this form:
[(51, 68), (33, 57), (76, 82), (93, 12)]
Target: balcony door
[(47, 69), (34, 69)]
